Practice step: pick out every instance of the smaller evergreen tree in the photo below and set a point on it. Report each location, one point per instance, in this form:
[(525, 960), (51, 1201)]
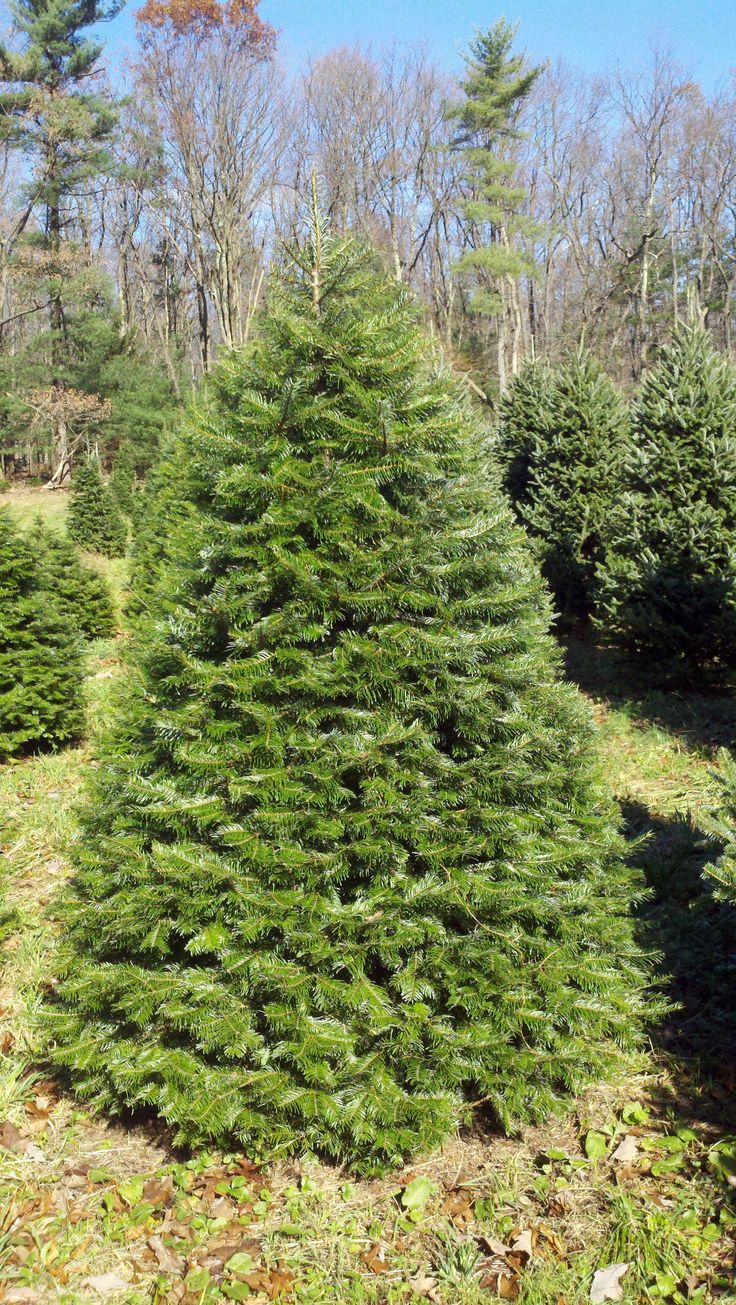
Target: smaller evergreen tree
[(123, 480), (77, 591), (576, 449), (524, 409), (40, 658), (94, 521), (667, 589)]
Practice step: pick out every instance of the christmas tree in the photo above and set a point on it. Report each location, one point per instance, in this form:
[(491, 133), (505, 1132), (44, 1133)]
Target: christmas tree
[(346, 865), (572, 480), (162, 502), (94, 521), (40, 662), (77, 591), (524, 411), (668, 586), (123, 480)]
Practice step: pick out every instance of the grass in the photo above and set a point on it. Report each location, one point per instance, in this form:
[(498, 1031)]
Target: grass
[(28, 503), (92, 1209)]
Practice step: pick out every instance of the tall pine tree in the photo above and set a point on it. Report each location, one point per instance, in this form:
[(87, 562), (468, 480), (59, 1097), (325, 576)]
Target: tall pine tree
[(667, 589), (52, 111), (93, 521), (346, 864), (40, 661), (496, 84), (577, 445)]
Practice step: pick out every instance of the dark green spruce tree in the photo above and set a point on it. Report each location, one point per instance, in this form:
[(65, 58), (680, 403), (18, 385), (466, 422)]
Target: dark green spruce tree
[(667, 589), (93, 521), (577, 444), (40, 659), (77, 591), (524, 410), (346, 865)]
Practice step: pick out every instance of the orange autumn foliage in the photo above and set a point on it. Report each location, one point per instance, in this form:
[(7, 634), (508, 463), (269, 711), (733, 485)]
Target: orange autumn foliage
[(205, 17)]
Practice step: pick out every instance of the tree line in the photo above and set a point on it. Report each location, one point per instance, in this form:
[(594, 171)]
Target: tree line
[(528, 208)]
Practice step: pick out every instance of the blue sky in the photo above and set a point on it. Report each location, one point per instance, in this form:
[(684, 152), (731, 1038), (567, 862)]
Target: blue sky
[(593, 35)]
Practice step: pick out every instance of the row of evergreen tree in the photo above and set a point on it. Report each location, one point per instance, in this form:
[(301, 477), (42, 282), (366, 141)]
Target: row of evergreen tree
[(51, 604), (633, 508)]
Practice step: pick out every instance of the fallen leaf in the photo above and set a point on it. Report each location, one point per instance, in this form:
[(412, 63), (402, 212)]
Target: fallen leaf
[(493, 1246), (523, 1247), (375, 1259), (550, 1236), (10, 1138), (502, 1283), (33, 1152), (106, 1283), (281, 1282), (246, 1168), (158, 1191), (165, 1257), (222, 1208), (606, 1283), (41, 1106), (423, 1285), (458, 1206), (626, 1151)]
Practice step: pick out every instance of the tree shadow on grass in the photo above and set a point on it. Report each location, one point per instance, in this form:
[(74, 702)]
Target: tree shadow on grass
[(695, 937), (702, 716)]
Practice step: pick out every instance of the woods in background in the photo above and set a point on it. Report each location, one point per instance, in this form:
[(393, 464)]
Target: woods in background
[(530, 209)]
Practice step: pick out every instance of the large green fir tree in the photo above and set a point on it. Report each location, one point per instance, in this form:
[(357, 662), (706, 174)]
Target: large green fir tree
[(77, 591), (577, 440), (40, 661), (345, 865), (668, 586), (94, 521)]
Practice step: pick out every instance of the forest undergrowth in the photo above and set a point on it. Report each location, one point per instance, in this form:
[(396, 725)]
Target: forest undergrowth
[(636, 1174)]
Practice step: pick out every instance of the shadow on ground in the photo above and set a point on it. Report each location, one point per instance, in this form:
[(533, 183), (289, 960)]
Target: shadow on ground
[(702, 717), (695, 937)]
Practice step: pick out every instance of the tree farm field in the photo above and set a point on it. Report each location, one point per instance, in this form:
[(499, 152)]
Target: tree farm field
[(636, 1172)]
